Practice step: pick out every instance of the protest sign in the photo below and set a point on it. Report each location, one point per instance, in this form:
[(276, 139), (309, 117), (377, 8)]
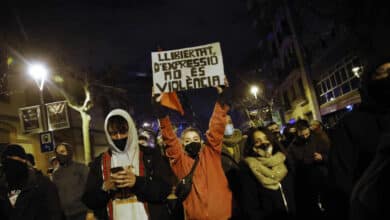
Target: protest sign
[(57, 115), (188, 68), (30, 119)]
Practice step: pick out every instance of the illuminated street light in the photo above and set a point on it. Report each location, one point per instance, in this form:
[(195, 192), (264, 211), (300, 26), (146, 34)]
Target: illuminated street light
[(356, 70), (39, 73), (146, 124), (254, 91)]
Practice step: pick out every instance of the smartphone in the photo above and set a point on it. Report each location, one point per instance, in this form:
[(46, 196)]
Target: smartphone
[(116, 169)]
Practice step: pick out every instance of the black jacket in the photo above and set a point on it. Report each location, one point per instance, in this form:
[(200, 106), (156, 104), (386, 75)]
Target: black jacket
[(258, 202), (371, 193), (354, 144), (152, 188), (38, 201)]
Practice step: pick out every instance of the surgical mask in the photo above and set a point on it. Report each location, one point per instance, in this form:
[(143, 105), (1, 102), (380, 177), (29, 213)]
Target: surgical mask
[(193, 149), (229, 130), (120, 143)]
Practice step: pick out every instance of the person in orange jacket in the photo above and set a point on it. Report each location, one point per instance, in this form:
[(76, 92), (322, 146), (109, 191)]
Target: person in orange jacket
[(210, 196)]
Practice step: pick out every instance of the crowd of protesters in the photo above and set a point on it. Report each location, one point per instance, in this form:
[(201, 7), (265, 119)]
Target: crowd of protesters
[(302, 171)]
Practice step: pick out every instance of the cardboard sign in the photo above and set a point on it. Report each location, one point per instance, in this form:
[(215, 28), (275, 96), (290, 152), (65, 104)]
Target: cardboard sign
[(188, 68), (57, 115), (30, 119)]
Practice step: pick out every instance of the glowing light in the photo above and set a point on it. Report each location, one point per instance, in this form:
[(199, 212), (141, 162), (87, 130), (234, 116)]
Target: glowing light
[(349, 107), (146, 124), (356, 70), (39, 73), (254, 90)]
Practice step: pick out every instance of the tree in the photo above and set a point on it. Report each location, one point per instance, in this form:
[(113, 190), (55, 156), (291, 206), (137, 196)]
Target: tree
[(85, 119)]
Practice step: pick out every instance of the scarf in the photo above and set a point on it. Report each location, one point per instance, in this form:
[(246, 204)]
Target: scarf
[(269, 171), (231, 144), (132, 210)]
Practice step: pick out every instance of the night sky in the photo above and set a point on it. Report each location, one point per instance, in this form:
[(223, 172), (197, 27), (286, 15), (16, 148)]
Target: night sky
[(125, 32), (95, 34)]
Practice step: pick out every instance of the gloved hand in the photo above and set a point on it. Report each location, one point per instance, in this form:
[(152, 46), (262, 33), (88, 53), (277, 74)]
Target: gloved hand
[(225, 94), (158, 110)]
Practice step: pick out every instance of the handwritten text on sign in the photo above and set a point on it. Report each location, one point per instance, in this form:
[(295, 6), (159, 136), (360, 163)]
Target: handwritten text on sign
[(188, 68)]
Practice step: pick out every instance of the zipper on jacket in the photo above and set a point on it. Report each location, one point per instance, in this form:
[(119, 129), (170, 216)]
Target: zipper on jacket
[(283, 197)]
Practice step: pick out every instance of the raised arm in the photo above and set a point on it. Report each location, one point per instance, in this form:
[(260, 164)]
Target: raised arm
[(173, 149), (218, 122), (217, 126)]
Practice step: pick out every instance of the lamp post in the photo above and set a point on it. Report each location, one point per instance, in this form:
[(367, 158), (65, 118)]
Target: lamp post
[(39, 73)]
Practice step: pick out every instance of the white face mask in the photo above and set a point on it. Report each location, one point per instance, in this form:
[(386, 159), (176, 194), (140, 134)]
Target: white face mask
[(229, 130)]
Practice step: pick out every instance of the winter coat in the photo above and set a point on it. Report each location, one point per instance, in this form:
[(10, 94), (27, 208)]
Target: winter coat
[(230, 165), (70, 181), (370, 196), (354, 144), (38, 200), (258, 202), (152, 188), (210, 197)]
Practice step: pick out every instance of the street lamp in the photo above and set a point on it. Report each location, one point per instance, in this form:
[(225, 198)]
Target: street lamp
[(357, 71), (254, 91), (39, 73)]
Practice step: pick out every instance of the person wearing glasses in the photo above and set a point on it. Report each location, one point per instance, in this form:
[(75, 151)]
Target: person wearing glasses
[(265, 178)]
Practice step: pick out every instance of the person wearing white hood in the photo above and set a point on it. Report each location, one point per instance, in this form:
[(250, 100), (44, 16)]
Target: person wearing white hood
[(116, 177)]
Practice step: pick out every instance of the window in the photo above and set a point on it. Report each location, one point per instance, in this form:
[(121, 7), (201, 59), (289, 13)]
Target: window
[(346, 88), (337, 92), (324, 87), (338, 79), (328, 84), (333, 79), (355, 83)]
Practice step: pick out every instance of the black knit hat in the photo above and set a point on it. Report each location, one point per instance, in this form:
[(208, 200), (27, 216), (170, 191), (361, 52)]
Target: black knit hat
[(13, 150)]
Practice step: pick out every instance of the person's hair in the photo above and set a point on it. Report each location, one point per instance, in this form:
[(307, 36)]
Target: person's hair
[(68, 147), (250, 142), (118, 122), (31, 159), (270, 124), (13, 150), (190, 129), (287, 128), (302, 124)]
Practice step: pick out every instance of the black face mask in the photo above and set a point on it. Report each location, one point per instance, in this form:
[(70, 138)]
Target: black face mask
[(193, 149), (16, 173), (120, 143), (63, 159), (301, 140)]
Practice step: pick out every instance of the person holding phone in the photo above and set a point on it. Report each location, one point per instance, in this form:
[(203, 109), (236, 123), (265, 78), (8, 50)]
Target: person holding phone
[(118, 187)]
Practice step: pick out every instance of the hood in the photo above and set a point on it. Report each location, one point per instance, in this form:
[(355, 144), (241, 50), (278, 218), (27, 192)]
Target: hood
[(233, 140), (131, 151)]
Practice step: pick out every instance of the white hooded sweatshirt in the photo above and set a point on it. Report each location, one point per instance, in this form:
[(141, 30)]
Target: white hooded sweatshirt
[(128, 157)]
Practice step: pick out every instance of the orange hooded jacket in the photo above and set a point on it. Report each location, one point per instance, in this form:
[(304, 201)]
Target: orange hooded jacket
[(210, 197)]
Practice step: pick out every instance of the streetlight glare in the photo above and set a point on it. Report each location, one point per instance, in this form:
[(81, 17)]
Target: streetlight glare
[(254, 90), (356, 70), (39, 72)]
